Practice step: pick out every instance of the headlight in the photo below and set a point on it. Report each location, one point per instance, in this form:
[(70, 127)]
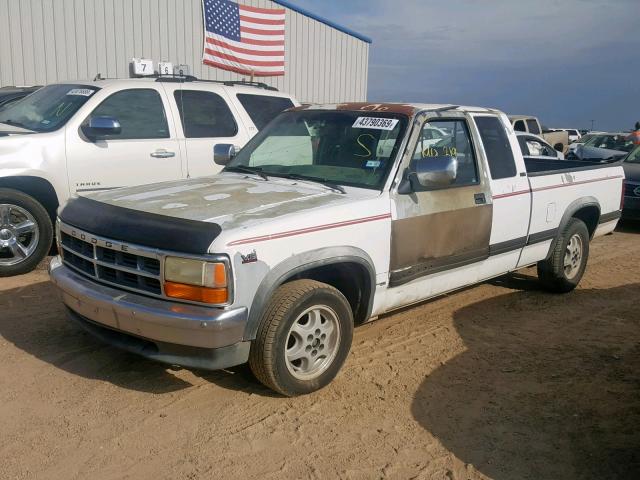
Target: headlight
[(196, 280)]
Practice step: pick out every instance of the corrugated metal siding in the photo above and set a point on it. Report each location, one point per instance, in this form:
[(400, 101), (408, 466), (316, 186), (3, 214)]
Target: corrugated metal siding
[(45, 41)]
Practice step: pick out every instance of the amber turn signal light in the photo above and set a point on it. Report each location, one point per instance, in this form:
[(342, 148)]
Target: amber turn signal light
[(195, 293)]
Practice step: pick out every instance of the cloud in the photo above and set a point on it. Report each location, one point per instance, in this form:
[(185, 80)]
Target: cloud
[(568, 61)]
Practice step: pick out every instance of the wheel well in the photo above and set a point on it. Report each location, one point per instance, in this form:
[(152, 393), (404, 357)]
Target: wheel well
[(36, 187), (590, 215), (352, 279)]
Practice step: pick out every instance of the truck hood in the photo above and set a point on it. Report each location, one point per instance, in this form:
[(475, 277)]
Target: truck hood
[(230, 200)]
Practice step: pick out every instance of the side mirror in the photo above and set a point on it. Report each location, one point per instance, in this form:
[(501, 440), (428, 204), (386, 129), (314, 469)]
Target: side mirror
[(434, 172), (102, 126), (429, 173), (223, 153), (559, 147)]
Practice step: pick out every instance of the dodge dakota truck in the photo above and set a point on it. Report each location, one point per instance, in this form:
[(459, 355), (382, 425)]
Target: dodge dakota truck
[(329, 217)]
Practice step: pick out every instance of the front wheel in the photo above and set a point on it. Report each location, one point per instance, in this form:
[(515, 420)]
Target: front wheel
[(562, 271), (26, 232), (303, 338)]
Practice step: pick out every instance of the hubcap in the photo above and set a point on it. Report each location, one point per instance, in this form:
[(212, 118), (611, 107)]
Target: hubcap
[(19, 234), (312, 343), (573, 256)]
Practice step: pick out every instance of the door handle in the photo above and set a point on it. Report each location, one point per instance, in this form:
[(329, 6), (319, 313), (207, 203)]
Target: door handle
[(163, 154), (480, 199)]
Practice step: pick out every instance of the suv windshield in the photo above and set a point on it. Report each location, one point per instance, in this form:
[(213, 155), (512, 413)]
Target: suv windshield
[(339, 147), (47, 109)]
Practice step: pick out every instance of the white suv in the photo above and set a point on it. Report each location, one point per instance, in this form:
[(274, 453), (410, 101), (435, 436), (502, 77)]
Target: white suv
[(85, 136)]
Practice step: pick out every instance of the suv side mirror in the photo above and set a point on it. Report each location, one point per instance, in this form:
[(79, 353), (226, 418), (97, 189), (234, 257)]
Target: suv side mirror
[(102, 126), (223, 153)]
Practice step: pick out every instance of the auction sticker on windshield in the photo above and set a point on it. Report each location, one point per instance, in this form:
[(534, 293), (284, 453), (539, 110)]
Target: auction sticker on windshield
[(376, 123), (85, 92)]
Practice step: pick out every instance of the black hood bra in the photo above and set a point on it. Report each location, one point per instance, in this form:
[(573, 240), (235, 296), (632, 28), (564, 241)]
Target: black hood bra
[(141, 228)]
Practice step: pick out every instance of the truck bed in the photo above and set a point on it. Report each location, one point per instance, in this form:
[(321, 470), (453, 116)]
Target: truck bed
[(542, 166)]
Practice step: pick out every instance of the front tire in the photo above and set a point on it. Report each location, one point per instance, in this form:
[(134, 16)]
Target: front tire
[(26, 232), (303, 338), (562, 271)]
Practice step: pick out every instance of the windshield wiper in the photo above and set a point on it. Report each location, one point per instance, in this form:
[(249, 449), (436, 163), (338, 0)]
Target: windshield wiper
[(321, 181), (243, 169)]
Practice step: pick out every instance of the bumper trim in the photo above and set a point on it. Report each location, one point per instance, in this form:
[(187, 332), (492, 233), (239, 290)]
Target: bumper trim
[(172, 354), (146, 317)]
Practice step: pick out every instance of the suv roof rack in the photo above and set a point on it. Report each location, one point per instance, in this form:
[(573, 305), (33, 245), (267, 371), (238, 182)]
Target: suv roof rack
[(228, 83)]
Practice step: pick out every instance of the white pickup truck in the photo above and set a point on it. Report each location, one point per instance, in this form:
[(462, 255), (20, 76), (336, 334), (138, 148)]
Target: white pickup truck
[(330, 216), (73, 138)]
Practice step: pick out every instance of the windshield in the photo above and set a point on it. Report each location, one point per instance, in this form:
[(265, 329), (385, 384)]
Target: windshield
[(47, 109), (634, 156), (610, 142), (340, 147)]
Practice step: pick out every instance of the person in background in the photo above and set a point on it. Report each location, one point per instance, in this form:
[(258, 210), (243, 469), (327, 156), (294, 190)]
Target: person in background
[(635, 135)]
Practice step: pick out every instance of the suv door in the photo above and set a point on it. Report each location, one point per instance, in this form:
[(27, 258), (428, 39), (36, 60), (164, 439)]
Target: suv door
[(438, 231), (146, 149), (205, 117)]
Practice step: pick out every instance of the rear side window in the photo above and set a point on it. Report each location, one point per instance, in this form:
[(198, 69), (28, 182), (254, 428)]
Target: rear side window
[(262, 108), (533, 126), (519, 126), (497, 147), (204, 114), (139, 111)]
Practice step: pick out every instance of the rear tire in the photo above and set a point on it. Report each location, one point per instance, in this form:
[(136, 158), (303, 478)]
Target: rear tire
[(26, 232), (562, 271), (303, 338)]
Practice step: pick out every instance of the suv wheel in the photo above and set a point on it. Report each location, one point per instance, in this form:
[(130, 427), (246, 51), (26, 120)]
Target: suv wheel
[(562, 271), (26, 232), (303, 339)]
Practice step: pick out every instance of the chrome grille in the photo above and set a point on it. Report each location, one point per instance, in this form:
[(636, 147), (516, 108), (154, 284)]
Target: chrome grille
[(111, 262)]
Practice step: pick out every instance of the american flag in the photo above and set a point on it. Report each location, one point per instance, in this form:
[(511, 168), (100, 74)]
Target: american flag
[(243, 39)]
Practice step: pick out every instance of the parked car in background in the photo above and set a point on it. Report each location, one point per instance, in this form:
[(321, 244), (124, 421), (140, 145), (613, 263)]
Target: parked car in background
[(533, 146), (77, 137), (305, 234), (524, 123), (601, 147), (10, 95), (631, 209), (574, 134)]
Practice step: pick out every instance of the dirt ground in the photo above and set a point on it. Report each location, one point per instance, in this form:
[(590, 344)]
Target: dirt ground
[(498, 381)]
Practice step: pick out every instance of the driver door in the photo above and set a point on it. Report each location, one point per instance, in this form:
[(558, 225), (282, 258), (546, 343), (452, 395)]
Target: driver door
[(145, 151), (440, 233)]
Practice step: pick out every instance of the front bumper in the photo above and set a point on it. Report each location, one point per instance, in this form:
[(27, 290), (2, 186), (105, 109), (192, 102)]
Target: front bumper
[(188, 335)]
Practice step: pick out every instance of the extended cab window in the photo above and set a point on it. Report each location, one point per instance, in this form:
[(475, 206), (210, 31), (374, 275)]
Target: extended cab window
[(533, 126), (204, 114), (449, 138), (262, 108), (497, 147), (139, 111)]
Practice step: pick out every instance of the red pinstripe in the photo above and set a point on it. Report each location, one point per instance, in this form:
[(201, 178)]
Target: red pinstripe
[(550, 187), (291, 233)]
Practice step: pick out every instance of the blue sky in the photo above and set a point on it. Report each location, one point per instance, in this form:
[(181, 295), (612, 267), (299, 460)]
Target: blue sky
[(565, 61)]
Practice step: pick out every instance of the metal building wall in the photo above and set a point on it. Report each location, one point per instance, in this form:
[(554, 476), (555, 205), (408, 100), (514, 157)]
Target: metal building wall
[(44, 41)]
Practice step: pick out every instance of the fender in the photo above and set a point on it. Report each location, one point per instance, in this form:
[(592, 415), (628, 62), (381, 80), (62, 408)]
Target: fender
[(569, 212), (299, 263)]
